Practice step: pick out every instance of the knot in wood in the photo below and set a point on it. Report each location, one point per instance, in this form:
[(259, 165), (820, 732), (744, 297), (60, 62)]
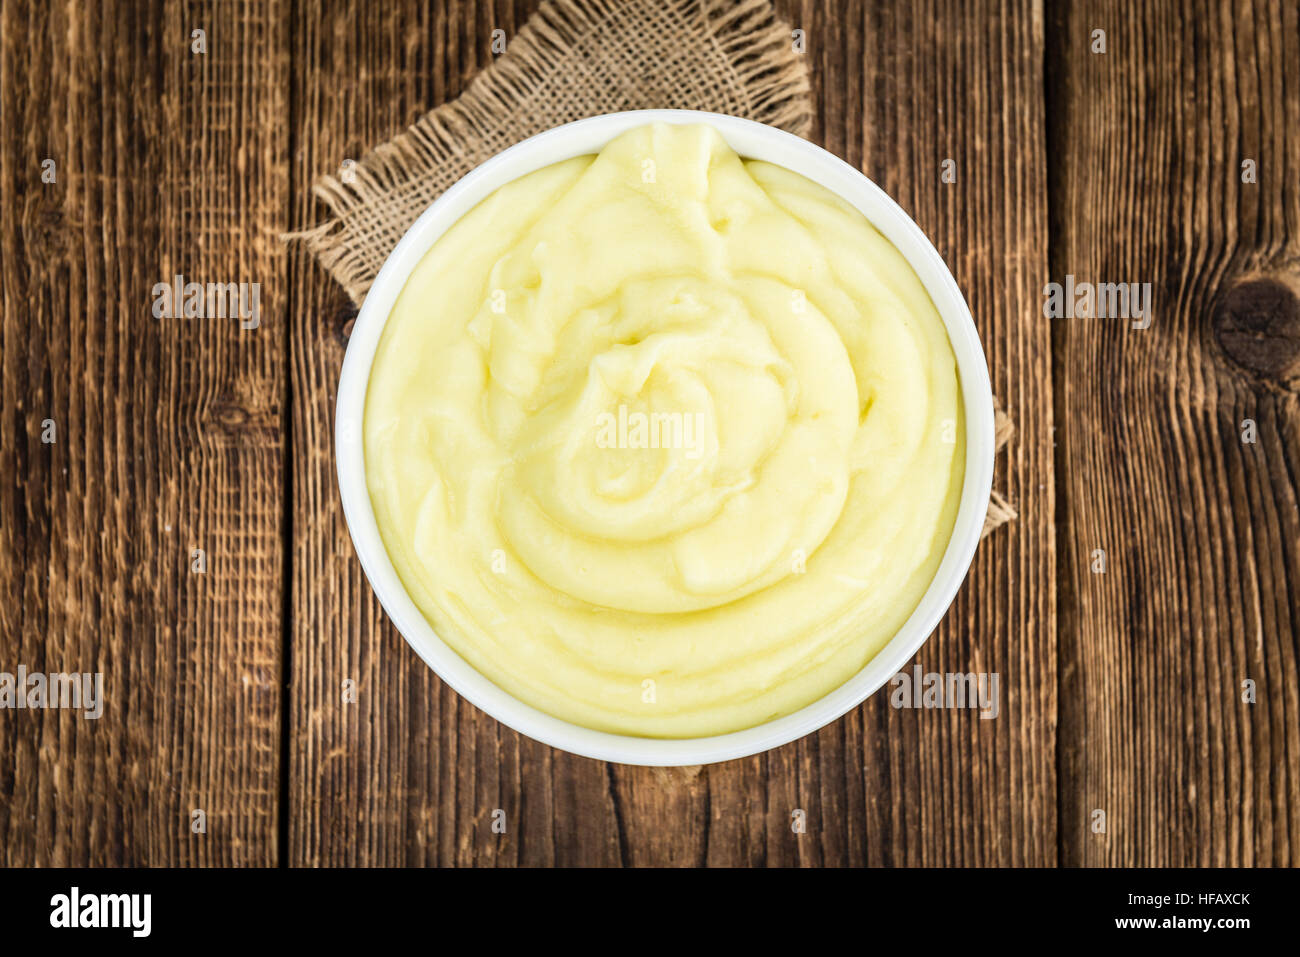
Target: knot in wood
[(1257, 323)]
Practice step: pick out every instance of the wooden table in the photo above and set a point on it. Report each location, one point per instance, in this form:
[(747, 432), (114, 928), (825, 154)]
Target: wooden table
[(1122, 690)]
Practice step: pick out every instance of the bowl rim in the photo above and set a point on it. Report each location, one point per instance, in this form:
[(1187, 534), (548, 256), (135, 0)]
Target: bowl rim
[(751, 140)]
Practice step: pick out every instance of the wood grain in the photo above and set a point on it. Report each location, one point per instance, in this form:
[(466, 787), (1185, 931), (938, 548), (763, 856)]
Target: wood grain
[(168, 431), (1200, 529)]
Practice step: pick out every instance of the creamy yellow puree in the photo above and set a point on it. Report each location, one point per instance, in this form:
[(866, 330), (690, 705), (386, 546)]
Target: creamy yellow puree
[(662, 441)]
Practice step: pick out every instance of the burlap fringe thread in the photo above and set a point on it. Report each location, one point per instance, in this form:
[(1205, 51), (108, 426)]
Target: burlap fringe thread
[(571, 60), (1001, 511)]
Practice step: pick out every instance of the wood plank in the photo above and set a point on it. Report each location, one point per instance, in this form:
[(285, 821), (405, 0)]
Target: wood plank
[(1200, 528), (411, 774), (168, 430)]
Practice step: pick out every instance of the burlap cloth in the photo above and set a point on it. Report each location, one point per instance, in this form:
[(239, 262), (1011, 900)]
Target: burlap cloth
[(573, 59)]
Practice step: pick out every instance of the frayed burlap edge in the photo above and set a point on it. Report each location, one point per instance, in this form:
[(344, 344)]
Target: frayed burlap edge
[(1000, 511), (728, 57)]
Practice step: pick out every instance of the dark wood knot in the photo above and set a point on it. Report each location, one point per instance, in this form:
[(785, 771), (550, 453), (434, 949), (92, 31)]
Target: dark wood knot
[(345, 317), (1257, 323)]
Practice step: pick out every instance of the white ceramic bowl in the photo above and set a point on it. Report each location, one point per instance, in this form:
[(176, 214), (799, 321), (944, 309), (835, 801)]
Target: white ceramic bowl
[(751, 140)]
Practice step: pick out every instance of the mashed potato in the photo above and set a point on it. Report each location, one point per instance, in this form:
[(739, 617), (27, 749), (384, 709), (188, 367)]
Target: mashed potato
[(662, 441)]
